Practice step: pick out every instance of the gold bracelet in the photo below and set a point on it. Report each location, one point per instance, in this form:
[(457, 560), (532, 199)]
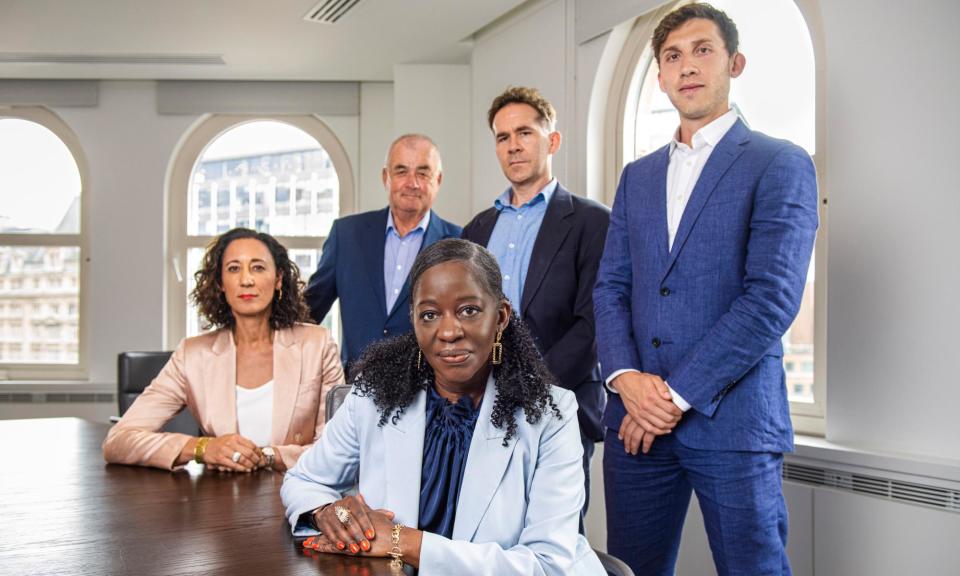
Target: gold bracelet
[(395, 553), (200, 449)]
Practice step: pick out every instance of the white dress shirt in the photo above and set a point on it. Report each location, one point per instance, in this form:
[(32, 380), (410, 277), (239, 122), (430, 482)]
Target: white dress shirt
[(255, 413), (683, 172)]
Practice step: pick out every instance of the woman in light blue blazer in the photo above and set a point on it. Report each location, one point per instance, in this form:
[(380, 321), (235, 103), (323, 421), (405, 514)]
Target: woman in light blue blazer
[(467, 459)]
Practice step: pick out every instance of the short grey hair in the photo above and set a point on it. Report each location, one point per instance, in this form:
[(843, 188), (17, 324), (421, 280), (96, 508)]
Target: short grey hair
[(414, 136)]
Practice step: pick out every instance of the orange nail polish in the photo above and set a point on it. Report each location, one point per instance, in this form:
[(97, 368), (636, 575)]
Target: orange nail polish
[(369, 533), (308, 542), (354, 548), (365, 545), (341, 545)]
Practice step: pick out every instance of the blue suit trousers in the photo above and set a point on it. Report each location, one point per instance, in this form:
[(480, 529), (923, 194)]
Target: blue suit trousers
[(740, 494)]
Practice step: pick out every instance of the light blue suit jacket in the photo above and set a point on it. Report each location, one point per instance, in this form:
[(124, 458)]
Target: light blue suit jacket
[(708, 316), (519, 504)]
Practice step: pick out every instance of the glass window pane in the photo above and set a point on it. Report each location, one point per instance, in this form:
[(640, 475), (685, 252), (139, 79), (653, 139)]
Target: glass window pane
[(282, 166), (39, 303), (39, 181), (798, 347)]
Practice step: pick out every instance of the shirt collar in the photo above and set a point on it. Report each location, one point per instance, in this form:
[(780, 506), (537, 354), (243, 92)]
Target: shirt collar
[(422, 225), (544, 195), (711, 134)]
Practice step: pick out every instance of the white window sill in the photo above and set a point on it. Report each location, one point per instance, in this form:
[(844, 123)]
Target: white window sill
[(862, 459)]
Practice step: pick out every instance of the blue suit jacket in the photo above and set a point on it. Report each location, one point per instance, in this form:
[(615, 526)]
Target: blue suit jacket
[(708, 316), (351, 268), (519, 504), (557, 299)]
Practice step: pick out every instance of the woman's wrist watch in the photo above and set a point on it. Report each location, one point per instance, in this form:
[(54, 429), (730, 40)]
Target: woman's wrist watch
[(270, 454)]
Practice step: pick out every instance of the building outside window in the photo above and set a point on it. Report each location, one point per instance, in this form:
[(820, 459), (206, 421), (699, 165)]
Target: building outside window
[(40, 244)]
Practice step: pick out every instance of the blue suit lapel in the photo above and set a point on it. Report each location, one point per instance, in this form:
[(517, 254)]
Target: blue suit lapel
[(374, 239), (486, 463), (660, 200), (433, 233), (553, 231), (723, 156), (404, 461)]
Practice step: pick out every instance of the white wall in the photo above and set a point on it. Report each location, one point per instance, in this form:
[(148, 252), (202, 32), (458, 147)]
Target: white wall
[(128, 146), (434, 100), (894, 225), (528, 50)]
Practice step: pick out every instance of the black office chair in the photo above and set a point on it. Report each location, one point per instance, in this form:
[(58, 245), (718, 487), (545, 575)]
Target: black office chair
[(135, 370), (613, 565), (335, 397)]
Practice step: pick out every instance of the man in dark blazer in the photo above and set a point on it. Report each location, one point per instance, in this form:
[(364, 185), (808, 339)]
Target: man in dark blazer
[(703, 272), (367, 257), (548, 243)]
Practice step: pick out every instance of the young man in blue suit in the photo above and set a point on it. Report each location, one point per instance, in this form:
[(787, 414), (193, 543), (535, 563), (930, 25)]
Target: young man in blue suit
[(703, 271), (548, 243), (367, 257)]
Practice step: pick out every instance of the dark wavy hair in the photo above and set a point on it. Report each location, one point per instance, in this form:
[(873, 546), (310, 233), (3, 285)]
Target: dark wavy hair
[(388, 370), (683, 14), (208, 294)]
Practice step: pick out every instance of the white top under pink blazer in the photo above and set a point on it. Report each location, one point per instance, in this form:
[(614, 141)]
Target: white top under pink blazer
[(201, 376)]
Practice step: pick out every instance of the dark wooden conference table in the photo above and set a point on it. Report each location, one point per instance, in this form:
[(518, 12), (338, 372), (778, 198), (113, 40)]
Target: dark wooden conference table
[(64, 511)]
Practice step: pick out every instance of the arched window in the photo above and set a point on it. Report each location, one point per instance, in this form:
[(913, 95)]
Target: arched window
[(41, 246), (286, 176), (776, 95)]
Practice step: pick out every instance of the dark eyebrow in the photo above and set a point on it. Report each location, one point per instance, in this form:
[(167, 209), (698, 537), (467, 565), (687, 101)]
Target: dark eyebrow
[(675, 48)]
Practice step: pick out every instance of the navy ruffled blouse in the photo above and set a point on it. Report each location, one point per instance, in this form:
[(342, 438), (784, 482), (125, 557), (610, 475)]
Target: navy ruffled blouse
[(446, 443)]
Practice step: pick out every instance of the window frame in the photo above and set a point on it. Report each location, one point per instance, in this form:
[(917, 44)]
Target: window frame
[(178, 242), (808, 417), (56, 371)]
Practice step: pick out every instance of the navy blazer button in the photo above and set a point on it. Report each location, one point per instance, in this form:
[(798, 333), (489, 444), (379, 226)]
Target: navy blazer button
[(655, 342), (664, 291)]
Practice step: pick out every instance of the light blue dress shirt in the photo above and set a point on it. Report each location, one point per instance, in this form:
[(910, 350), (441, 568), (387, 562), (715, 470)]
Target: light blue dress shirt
[(514, 235), (398, 256)]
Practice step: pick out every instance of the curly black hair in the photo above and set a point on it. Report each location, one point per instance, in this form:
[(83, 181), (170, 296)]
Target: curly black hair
[(288, 309), (389, 372)]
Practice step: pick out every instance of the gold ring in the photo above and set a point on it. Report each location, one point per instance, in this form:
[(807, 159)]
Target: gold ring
[(343, 515)]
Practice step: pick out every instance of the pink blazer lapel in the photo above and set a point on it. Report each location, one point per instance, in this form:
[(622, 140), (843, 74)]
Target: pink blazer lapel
[(287, 356), (220, 386)]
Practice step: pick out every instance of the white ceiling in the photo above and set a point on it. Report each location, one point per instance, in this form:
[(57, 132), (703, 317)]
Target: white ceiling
[(257, 39)]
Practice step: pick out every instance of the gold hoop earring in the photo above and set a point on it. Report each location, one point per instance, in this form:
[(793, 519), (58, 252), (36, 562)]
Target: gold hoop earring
[(419, 357), (280, 293), (498, 349)]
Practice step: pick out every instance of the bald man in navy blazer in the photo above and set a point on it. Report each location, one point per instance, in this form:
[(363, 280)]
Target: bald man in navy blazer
[(367, 257), (703, 272), (548, 243)]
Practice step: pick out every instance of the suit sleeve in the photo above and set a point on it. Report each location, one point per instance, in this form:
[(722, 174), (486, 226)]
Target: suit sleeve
[(612, 295), (549, 538), (330, 372), (572, 355), (136, 438), (321, 291), (325, 471), (782, 232)]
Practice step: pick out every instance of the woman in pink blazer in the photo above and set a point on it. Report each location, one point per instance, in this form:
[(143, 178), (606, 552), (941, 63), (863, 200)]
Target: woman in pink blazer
[(256, 385)]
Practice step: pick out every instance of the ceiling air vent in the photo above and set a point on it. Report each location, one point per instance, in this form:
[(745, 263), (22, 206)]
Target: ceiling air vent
[(330, 11)]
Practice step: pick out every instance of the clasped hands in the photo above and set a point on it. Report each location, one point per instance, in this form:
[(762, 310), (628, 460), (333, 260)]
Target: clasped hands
[(365, 530), (650, 410), (220, 450)]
